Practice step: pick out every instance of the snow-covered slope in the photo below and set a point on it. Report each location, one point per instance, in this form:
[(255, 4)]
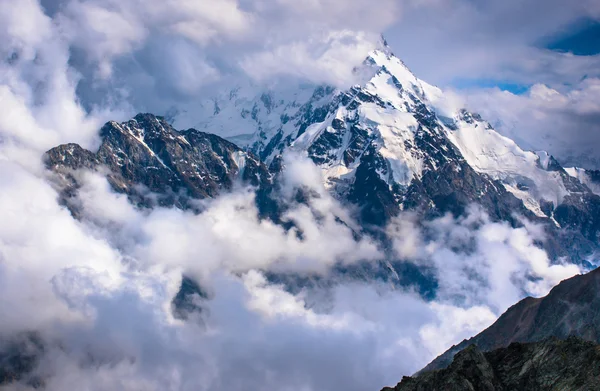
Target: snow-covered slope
[(590, 178), (252, 117), (525, 174)]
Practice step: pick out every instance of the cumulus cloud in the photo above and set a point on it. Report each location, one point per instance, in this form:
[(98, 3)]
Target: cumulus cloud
[(322, 59), (270, 340), (38, 239), (479, 262), (160, 53)]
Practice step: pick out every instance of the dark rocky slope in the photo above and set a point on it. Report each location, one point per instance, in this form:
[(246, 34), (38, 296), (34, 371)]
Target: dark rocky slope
[(549, 365), (18, 358), (572, 308)]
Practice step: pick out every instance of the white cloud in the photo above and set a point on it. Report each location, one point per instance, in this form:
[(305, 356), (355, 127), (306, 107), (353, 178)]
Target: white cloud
[(233, 236), (454, 324), (328, 59), (38, 239), (480, 262), (256, 336), (499, 41), (160, 52)]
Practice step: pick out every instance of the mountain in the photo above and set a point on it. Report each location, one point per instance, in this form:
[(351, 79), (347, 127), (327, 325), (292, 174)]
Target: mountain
[(570, 309), (549, 365), (395, 143), (155, 164), (392, 143), (389, 144)]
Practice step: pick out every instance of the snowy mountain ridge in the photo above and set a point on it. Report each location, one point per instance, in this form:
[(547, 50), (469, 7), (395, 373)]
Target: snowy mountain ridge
[(390, 144), (395, 113)]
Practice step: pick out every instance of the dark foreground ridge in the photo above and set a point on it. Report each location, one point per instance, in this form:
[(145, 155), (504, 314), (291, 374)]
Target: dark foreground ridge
[(572, 308), (551, 365)]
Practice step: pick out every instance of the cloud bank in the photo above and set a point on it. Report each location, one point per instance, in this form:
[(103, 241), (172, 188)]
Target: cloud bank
[(99, 290)]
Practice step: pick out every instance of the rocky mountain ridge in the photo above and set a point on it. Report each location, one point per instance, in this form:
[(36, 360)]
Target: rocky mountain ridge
[(547, 343), (156, 165), (572, 308), (385, 146), (549, 365)]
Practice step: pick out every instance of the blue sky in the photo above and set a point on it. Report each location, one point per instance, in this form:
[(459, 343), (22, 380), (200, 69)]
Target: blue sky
[(583, 39), (511, 44), (580, 39), (467, 84)]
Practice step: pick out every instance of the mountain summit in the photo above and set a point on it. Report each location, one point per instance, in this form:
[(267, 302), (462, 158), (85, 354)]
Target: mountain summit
[(393, 143)]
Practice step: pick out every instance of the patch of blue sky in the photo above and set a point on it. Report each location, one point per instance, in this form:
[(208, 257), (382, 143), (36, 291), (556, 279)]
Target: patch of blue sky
[(582, 39), (504, 85)]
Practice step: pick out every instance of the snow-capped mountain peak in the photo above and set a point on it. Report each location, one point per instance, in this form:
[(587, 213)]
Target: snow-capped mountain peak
[(386, 142), (390, 143)]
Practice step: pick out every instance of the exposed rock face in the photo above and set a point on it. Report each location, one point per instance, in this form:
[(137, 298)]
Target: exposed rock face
[(18, 358), (455, 186), (189, 299), (154, 164), (572, 308), (594, 176), (549, 365)]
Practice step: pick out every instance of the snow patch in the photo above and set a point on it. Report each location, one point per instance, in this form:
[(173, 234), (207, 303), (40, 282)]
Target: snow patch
[(397, 68), (240, 161), (501, 158), (530, 203), (583, 177), (396, 131)]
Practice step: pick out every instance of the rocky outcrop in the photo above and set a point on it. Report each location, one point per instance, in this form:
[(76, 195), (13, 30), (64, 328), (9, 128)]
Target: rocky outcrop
[(189, 299), (549, 365), (156, 165)]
